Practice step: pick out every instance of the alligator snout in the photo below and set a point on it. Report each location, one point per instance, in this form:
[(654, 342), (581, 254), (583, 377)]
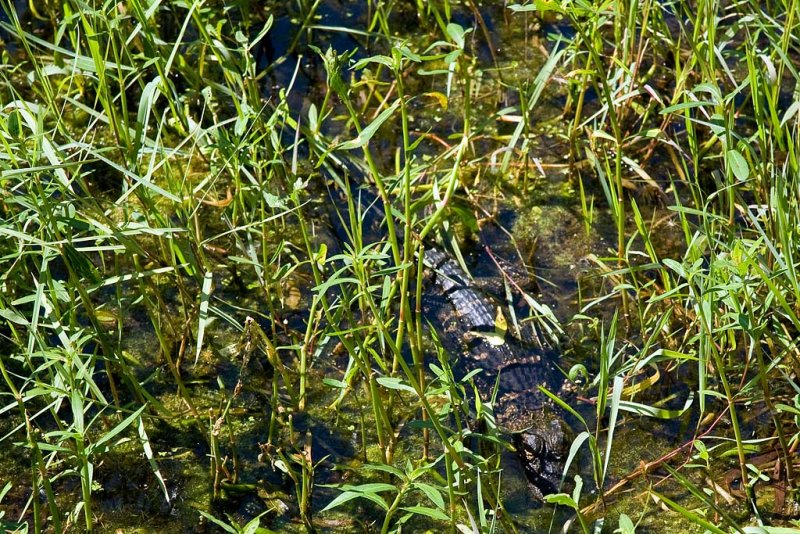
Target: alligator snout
[(542, 450)]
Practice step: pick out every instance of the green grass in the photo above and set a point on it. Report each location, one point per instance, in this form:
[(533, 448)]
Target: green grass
[(165, 233)]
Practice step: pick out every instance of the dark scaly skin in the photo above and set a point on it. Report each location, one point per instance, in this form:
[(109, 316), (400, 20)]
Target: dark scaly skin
[(538, 433)]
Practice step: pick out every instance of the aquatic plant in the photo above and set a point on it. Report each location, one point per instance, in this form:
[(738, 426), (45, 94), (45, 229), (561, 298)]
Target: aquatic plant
[(191, 279)]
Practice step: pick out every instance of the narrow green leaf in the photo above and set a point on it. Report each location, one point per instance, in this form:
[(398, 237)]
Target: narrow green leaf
[(205, 296), (221, 524), (5, 490), (13, 316), (342, 498), (77, 411), (350, 495), (563, 499), (338, 384), (573, 451), (691, 516), (791, 111), (563, 404), (432, 493), (652, 411), (407, 53), (386, 61), (456, 33), (428, 512), (626, 525), (261, 34), (395, 383), (106, 438), (147, 103), (685, 105), (148, 452), (367, 133), (738, 164), (373, 487), (384, 469), (537, 5), (616, 395)]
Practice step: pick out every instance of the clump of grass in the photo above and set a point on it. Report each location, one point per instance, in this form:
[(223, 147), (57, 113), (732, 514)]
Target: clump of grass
[(721, 126), (148, 172)]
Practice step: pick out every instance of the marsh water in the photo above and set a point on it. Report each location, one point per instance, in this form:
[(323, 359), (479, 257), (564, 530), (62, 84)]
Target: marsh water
[(529, 218)]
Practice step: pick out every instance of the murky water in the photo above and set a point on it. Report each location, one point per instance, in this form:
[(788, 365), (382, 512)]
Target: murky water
[(530, 219)]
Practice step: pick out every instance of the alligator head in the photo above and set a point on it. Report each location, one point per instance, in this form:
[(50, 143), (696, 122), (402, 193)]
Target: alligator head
[(542, 450)]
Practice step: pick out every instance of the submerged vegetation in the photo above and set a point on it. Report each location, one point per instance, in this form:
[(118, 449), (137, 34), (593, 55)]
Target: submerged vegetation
[(201, 328)]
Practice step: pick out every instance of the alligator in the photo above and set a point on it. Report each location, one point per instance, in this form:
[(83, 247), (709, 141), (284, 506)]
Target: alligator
[(464, 318), (516, 369)]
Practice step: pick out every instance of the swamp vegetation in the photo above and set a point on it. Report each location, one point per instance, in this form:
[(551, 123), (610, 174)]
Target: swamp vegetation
[(200, 330)]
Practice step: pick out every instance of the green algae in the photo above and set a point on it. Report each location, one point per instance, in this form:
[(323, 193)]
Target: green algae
[(551, 234)]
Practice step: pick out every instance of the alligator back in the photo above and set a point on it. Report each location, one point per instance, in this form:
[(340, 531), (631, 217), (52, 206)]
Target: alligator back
[(466, 320)]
